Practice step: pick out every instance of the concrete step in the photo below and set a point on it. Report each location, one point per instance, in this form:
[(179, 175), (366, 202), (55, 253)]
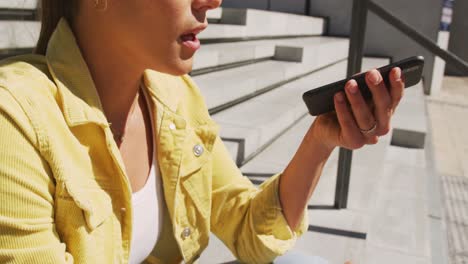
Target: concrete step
[(366, 161), (24, 34), (217, 253), (251, 23), (18, 10), (18, 34), (272, 113), (23, 4), (218, 54), (224, 87), (276, 157), (410, 121), (214, 14), (238, 24)]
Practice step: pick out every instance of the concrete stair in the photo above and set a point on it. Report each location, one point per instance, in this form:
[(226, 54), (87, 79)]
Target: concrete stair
[(215, 14), (23, 4), (387, 204), (272, 113), (410, 124), (254, 24), (224, 87), (20, 34), (17, 33), (251, 23), (218, 54)]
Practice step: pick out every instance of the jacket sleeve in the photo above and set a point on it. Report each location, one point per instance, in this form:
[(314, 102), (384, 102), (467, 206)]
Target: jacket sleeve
[(248, 220), (27, 231)]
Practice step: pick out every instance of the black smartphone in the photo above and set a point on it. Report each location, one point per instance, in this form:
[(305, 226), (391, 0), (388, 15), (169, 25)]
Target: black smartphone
[(320, 100)]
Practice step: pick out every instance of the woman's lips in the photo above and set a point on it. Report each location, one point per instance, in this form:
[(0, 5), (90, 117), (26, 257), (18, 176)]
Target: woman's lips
[(190, 41)]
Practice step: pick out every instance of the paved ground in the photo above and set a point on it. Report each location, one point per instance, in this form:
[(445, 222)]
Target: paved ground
[(448, 113)]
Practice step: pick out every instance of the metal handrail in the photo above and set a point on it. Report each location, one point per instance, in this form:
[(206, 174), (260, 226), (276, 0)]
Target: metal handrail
[(422, 40), (358, 29), (356, 52)]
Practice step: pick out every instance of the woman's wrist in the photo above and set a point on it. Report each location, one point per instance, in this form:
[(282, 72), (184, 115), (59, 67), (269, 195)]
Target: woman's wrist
[(318, 140)]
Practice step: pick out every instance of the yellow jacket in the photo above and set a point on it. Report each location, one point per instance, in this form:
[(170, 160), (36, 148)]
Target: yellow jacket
[(64, 193)]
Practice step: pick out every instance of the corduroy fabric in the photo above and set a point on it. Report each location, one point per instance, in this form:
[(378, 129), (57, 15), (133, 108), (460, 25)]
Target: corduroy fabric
[(65, 196)]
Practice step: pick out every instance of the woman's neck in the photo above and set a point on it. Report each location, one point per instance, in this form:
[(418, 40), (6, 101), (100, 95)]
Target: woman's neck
[(116, 73)]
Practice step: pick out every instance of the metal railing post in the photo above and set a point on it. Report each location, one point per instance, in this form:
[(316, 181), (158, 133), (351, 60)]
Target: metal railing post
[(307, 8), (356, 50)]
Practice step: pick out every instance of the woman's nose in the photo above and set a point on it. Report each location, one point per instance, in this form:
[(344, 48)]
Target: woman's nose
[(206, 4)]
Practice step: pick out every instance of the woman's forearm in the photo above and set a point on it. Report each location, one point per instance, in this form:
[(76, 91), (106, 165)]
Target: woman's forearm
[(347, 127), (301, 176)]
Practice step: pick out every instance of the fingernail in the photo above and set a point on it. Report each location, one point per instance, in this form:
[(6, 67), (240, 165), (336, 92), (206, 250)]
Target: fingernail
[(374, 77), (397, 74), (351, 87), (339, 97)]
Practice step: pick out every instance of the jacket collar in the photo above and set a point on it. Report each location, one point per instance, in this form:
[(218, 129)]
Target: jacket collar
[(79, 98), (167, 89)]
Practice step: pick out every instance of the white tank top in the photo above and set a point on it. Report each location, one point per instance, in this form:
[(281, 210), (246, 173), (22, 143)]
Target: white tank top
[(146, 216)]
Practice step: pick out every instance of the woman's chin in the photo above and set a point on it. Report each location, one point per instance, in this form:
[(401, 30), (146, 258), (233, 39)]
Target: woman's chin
[(179, 68), (184, 69)]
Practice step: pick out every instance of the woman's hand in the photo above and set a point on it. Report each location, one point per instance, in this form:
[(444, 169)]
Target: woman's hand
[(352, 126), (358, 122)]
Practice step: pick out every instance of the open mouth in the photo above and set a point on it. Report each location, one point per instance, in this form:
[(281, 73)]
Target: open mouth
[(189, 38), (191, 41)]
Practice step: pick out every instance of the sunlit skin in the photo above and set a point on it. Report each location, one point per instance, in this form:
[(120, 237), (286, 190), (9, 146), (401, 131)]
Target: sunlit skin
[(129, 36), (122, 39)]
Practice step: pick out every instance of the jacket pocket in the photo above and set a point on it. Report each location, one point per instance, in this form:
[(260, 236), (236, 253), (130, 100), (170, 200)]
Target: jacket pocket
[(95, 203), (195, 167), (85, 223), (198, 187)]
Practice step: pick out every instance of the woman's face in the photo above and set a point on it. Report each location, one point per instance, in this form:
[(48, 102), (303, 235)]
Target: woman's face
[(161, 33)]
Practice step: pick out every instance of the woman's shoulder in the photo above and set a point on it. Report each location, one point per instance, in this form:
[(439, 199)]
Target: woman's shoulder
[(25, 88), (26, 77), (23, 71)]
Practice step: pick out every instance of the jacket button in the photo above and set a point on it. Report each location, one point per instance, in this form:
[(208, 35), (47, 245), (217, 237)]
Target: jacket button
[(198, 150), (172, 126), (186, 233)]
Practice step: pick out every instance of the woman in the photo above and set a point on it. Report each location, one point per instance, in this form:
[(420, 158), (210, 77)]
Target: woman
[(115, 158)]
